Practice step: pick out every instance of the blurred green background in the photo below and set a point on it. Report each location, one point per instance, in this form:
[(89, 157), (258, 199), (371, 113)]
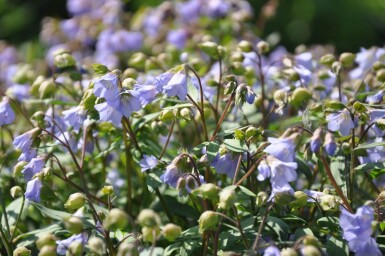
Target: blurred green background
[(347, 24)]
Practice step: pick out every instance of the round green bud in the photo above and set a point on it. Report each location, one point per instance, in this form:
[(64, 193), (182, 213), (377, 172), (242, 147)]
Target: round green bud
[(45, 240), (151, 64), (208, 190), (36, 84), (107, 190), (166, 115), (227, 198), (171, 231), (74, 225), (380, 75), (236, 57), (262, 197), (280, 97), (245, 46), (186, 114), (148, 218), (238, 68), (115, 219), (329, 203), (347, 59), (150, 233), (336, 67), (75, 201), (263, 47), (75, 249), (130, 249), (301, 199), (88, 100), (18, 168), (251, 132), (164, 58), (16, 191), (48, 250), (289, 252), (97, 245), (310, 250), (21, 251), (137, 60), (208, 221), (284, 198), (47, 172), (327, 59), (291, 75), (38, 117), (129, 83), (129, 73), (300, 96), (323, 74), (381, 197), (47, 89), (378, 65), (310, 240), (64, 60), (230, 87)]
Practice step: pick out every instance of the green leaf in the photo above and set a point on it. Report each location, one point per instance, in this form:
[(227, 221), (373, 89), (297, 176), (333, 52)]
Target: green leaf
[(337, 166), (336, 247), (300, 232), (210, 48), (332, 105), (370, 145), (247, 191), (12, 211), (369, 167), (29, 238), (304, 168), (361, 111), (50, 213), (279, 227), (100, 69), (235, 145), (329, 223), (157, 251), (153, 181), (212, 149)]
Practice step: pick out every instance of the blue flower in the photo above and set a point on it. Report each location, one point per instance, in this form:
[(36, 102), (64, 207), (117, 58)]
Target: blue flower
[(33, 167), (376, 98), (106, 87), (357, 230), (177, 38), (226, 164), (75, 117), (272, 251), (123, 40), (315, 141), (7, 115), (282, 149), (63, 245), (146, 93), (116, 181), (341, 122), (171, 176), (108, 113), (148, 162), (330, 145), (365, 59), (177, 86), (264, 171), (24, 143), (126, 102), (33, 189)]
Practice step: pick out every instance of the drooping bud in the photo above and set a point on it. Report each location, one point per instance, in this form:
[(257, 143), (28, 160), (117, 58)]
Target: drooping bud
[(36, 85), (300, 199), (137, 60), (38, 117), (75, 249), (97, 245), (190, 182), (315, 141), (18, 168), (166, 115), (245, 46), (329, 203), (347, 59), (45, 240), (64, 59), (186, 114), (239, 134), (129, 73), (115, 219), (336, 67), (208, 221), (48, 250), (300, 96), (171, 231), (330, 145), (74, 225), (210, 48), (289, 252), (280, 97), (16, 191), (129, 83), (327, 59), (380, 75), (227, 198), (150, 233), (236, 57), (310, 250), (263, 47), (75, 201), (251, 132), (148, 218), (107, 190), (291, 75), (208, 191), (262, 197), (21, 251), (47, 89), (238, 68), (230, 87)]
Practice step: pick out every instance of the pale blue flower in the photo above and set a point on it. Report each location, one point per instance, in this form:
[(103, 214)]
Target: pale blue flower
[(376, 98), (63, 245), (75, 117), (33, 189), (146, 93), (108, 114), (340, 121), (177, 38), (330, 145), (226, 164), (177, 86), (33, 167), (282, 149), (126, 102), (148, 162), (365, 60), (7, 115), (106, 87), (272, 251)]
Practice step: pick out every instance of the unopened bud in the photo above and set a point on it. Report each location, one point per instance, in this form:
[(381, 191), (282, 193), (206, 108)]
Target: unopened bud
[(47, 89), (280, 97), (148, 218), (262, 197), (38, 117), (16, 191), (129, 83), (336, 67), (329, 203), (381, 197), (380, 75), (378, 65), (330, 145), (190, 182), (245, 46), (208, 191), (74, 225), (238, 68), (18, 168), (166, 115), (227, 198), (75, 249), (208, 221), (36, 84), (75, 201), (210, 48), (347, 59), (115, 219), (230, 87), (48, 250), (45, 240), (251, 132), (88, 100), (237, 57), (186, 114), (64, 60), (96, 245), (137, 60), (107, 190), (21, 251), (289, 252), (129, 73), (171, 231), (315, 141), (151, 64), (300, 199), (310, 250), (263, 47), (130, 249), (327, 59), (150, 234), (239, 134), (300, 96)]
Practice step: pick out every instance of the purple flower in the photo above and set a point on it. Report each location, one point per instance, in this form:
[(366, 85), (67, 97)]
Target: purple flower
[(283, 149), (171, 176), (148, 162), (146, 93), (56, 122), (357, 230), (376, 98), (177, 38), (33, 189), (24, 143), (272, 251), (330, 145), (365, 60), (106, 87), (315, 141), (126, 102), (189, 11), (33, 167), (7, 115), (226, 164), (162, 80), (75, 117), (217, 8), (341, 122), (123, 40), (62, 246), (108, 113), (304, 59), (113, 178), (264, 171), (177, 86), (70, 140)]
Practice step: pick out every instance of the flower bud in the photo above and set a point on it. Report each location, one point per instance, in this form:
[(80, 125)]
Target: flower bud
[(64, 60), (380, 75), (115, 219), (171, 231), (208, 191), (300, 96), (330, 145), (45, 240), (329, 203), (107, 190), (129, 73), (315, 141), (130, 249), (151, 64), (148, 218), (283, 198), (239, 134), (38, 117), (166, 115), (208, 221), (24, 74), (16, 191), (238, 68), (36, 84), (21, 251), (47, 89), (262, 197), (280, 97), (48, 250), (310, 250), (378, 65), (381, 197), (251, 132), (74, 225), (263, 47), (327, 59), (190, 182), (186, 114), (137, 60), (18, 168), (230, 87), (300, 199), (347, 59), (75, 201), (310, 240), (289, 252), (97, 245), (336, 67), (291, 75), (245, 46), (150, 233), (129, 83), (236, 57), (227, 198), (181, 184), (210, 48), (75, 249)]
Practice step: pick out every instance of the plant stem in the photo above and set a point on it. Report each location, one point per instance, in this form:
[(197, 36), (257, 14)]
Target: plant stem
[(255, 244), (7, 245), (250, 171), (18, 219), (168, 139), (128, 169), (222, 118)]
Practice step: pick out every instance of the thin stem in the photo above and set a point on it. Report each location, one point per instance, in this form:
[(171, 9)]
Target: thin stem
[(218, 88), (352, 166), (132, 134), (222, 118), (18, 219), (168, 139), (263, 95), (5, 213), (237, 168), (250, 171), (240, 228), (127, 169), (164, 205), (255, 244), (365, 132), (339, 87), (201, 112), (7, 245), (335, 185), (216, 237)]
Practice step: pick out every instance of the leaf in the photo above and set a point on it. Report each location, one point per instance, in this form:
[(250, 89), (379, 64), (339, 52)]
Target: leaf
[(279, 227), (212, 149), (247, 191), (332, 106), (329, 223), (153, 181), (53, 214), (336, 247), (29, 238), (12, 211), (100, 69), (369, 167), (337, 167), (235, 145), (157, 251), (370, 145), (304, 168)]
